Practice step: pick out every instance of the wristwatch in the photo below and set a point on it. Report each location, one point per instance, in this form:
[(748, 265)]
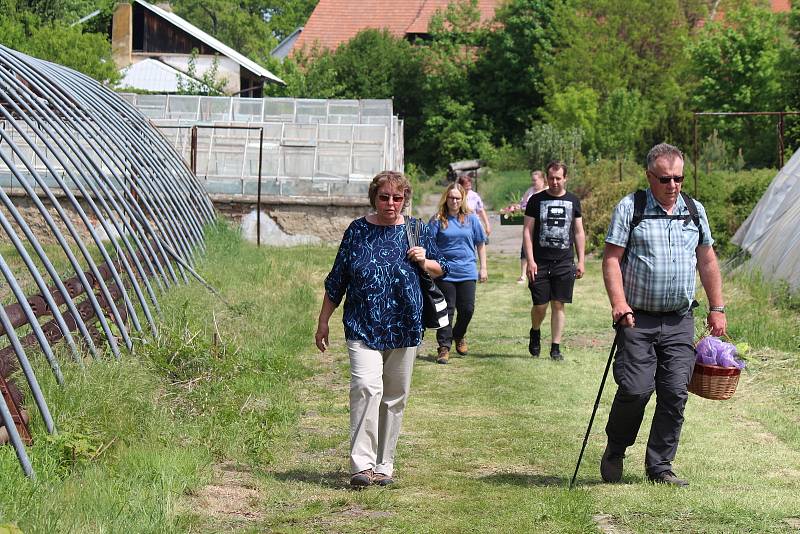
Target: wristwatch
[(720, 309)]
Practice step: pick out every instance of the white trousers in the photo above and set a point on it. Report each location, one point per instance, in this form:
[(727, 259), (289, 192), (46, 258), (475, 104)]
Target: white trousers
[(379, 384)]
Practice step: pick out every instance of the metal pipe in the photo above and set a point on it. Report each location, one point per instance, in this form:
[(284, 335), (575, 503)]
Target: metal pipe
[(28, 372), (59, 237), (16, 441), (32, 319), (70, 228), (43, 289)]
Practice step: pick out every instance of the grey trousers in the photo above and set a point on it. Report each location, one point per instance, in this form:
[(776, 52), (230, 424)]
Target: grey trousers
[(656, 355), (379, 386)]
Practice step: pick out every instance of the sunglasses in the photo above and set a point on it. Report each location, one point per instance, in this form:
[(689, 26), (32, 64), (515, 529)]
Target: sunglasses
[(454, 198), (665, 179), (384, 197)]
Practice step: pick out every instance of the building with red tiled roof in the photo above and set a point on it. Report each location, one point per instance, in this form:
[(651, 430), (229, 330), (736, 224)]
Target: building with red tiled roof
[(334, 22)]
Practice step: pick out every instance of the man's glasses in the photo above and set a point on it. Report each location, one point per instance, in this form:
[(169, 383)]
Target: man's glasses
[(666, 179), (384, 197)]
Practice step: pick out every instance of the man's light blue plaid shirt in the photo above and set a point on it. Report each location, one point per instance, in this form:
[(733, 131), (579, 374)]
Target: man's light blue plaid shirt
[(658, 270)]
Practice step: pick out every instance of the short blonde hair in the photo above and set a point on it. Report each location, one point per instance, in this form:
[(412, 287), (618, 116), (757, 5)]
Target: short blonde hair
[(397, 179)]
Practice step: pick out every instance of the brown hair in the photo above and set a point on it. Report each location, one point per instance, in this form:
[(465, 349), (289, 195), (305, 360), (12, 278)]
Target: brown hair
[(556, 164), (396, 179), (463, 210)]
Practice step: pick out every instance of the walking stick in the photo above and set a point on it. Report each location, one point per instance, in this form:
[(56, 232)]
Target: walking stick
[(599, 394)]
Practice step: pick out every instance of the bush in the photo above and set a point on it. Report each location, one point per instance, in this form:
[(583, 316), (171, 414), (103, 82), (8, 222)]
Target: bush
[(600, 186), (544, 143), (506, 157)]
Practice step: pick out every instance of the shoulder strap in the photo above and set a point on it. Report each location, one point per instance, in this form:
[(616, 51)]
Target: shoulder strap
[(639, 204), (410, 233), (692, 207)]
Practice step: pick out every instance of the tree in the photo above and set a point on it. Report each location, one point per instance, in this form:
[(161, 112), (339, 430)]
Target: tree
[(737, 65), (253, 27), (89, 53), (507, 80), (790, 67), (238, 24), (637, 46)]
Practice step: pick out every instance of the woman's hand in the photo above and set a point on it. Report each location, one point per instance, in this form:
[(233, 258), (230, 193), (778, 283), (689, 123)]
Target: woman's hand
[(483, 275), (417, 255), (321, 337)]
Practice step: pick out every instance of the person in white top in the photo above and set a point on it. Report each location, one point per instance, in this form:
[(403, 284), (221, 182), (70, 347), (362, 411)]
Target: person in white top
[(538, 183), (475, 203)]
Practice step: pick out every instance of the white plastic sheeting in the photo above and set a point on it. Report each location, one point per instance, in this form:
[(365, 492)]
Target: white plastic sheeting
[(771, 234)]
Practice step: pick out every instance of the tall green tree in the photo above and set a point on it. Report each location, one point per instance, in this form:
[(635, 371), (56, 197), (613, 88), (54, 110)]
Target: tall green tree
[(508, 81), (737, 64), (252, 27), (637, 46), (55, 41), (452, 128), (790, 62)]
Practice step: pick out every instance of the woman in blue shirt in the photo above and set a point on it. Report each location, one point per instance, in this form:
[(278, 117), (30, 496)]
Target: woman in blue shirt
[(458, 233), (379, 273)]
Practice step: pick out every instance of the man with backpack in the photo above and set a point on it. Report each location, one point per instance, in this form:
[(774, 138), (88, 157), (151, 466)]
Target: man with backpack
[(656, 240)]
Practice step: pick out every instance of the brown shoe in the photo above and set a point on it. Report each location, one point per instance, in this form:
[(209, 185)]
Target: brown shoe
[(362, 479), (379, 479), (461, 347), (443, 355)]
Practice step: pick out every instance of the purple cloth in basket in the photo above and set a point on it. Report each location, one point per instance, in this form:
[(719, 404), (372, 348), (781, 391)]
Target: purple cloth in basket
[(713, 351)]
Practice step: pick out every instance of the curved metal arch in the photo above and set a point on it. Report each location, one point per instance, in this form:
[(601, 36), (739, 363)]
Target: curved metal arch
[(60, 127)]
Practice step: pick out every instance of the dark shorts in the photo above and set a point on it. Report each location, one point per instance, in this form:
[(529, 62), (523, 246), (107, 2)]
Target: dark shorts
[(554, 281)]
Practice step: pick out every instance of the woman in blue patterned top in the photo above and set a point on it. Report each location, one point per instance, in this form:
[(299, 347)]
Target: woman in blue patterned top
[(459, 235), (382, 322)]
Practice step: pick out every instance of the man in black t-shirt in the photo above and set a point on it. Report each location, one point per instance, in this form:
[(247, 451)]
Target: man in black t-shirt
[(553, 226)]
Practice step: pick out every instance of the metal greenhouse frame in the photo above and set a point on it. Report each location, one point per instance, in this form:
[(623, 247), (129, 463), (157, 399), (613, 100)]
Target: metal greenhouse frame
[(102, 161)]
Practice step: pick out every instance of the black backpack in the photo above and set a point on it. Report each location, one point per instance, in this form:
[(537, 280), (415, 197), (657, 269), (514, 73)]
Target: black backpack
[(640, 202)]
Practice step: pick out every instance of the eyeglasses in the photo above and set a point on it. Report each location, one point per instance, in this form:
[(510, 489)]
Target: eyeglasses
[(454, 198), (384, 197), (665, 179)]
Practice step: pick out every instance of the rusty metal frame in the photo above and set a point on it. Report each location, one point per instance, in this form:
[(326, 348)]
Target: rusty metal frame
[(73, 145), (780, 125)]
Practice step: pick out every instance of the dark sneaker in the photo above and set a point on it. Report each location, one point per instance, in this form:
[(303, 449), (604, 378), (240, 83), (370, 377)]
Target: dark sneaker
[(443, 355), (382, 480), (556, 355), (611, 466), (362, 479), (461, 347), (667, 477), (534, 345)]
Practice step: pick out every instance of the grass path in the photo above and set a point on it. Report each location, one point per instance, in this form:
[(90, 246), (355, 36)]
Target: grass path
[(490, 441)]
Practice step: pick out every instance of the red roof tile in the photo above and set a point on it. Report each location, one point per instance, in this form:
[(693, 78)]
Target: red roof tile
[(780, 6), (334, 22)]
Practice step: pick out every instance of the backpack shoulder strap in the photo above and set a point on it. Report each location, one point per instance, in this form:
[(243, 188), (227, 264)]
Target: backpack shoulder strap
[(639, 204), (692, 207)]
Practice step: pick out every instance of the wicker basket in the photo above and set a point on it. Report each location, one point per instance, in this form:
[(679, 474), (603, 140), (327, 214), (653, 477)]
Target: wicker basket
[(714, 382)]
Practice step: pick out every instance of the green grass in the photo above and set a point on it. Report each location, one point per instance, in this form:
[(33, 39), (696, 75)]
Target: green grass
[(232, 421)]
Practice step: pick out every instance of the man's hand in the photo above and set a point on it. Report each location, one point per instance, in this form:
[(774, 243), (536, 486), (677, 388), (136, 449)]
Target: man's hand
[(483, 275), (717, 323), (618, 310), (532, 270), (580, 269)]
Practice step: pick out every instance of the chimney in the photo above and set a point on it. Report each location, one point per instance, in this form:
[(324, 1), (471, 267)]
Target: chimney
[(122, 35)]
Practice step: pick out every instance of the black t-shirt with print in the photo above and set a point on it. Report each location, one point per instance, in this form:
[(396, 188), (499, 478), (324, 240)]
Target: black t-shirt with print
[(554, 225)]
